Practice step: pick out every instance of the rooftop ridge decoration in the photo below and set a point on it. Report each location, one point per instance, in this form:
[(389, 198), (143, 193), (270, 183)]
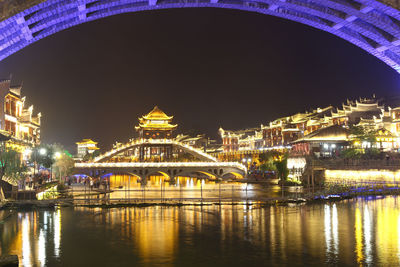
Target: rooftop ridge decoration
[(157, 114), (372, 25), (156, 119), (153, 141)]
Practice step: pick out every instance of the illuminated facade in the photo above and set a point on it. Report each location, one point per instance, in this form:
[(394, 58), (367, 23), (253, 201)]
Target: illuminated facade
[(156, 152), (327, 141), (86, 146), (249, 139), (18, 121), (155, 125), (303, 129)]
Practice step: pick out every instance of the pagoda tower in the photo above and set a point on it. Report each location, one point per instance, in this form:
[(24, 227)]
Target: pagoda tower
[(155, 125)]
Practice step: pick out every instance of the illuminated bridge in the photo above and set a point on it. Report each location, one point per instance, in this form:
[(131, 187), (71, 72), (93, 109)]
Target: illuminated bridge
[(205, 164), (373, 25), (167, 169), (136, 143)]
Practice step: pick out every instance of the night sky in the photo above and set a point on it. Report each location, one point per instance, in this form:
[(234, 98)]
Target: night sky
[(207, 67)]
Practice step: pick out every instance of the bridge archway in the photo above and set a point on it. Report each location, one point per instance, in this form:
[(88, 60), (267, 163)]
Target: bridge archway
[(372, 25), (158, 173), (236, 175)]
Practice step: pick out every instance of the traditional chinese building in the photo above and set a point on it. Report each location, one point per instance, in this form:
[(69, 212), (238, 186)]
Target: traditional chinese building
[(247, 139), (19, 121), (155, 125), (369, 113), (326, 142), (86, 146)]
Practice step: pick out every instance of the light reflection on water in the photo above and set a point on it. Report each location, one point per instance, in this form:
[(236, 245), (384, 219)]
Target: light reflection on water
[(353, 232), (187, 187)]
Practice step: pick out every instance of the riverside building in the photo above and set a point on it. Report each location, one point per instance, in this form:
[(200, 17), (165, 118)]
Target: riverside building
[(313, 130), (86, 146), (17, 121)]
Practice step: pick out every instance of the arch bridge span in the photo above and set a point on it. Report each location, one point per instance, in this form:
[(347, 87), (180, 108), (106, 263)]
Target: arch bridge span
[(134, 143), (372, 25), (170, 169)]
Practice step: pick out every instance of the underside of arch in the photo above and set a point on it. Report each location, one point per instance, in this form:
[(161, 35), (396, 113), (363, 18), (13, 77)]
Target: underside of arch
[(164, 174), (371, 25), (209, 175), (133, 174), (235, 174)]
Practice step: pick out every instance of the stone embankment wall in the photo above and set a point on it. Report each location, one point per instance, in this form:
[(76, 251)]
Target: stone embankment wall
[(352, 171)]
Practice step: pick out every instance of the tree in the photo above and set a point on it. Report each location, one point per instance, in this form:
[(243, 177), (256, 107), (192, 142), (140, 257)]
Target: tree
[(11, 166), (267, 166), (90, 156), (46, 158), (361, 134), (267, 156), (351, 153), (281, 167), (267, 160), (63, 165)]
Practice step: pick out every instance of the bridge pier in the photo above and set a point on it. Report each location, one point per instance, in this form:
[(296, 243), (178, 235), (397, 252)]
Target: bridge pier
[(172, 179), (143, 181)]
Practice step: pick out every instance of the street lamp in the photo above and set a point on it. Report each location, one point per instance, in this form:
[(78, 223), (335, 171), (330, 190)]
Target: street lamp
[(42, 151)]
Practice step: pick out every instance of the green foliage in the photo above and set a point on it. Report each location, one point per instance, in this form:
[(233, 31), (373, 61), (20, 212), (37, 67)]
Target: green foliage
[(268, 156), (351, 153), (281, 168), (11, 165), (372, 153), (90, 156), (63, 165), (45, 159), (268, 166), (361, 134)]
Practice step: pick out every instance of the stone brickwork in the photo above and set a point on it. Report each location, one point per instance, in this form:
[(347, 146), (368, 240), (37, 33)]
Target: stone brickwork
[(371, 25)]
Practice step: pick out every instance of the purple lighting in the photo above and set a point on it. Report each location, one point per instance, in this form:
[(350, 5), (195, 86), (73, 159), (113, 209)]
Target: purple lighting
[(371, 25)]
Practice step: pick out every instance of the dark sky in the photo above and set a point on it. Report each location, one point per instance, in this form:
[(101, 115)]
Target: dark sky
[(208, 67)]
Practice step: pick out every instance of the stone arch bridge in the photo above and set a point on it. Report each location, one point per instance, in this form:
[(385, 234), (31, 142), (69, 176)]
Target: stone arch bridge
[(372, 25), (206, 165), (170, 170)]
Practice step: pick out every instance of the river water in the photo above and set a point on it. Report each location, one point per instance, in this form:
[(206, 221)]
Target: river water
[(158, 187), (350, 232)]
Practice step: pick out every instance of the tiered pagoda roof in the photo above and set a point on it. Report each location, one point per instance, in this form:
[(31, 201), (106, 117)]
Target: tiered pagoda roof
[(156, 120), (86, 141)]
